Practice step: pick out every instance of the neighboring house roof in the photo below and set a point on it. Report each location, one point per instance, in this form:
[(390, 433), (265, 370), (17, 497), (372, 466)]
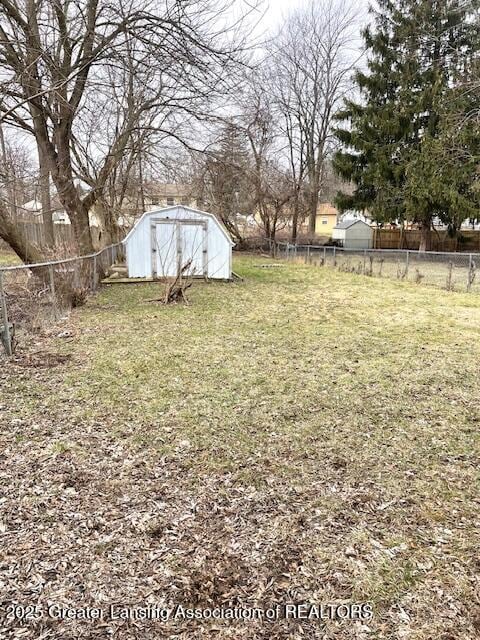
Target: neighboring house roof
[(59, 215), (326, 208), (168, 190), (353, 214), (346, 224), (35, 206)]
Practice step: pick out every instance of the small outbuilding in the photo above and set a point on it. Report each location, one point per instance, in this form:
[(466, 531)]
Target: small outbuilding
[(165, 241), (353, 234)]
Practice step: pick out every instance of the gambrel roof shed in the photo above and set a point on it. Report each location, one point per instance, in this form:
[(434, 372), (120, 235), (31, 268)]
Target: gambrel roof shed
[(164, 241)]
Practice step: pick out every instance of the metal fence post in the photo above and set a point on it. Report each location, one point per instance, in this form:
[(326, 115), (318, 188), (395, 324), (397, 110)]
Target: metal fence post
[(469, 272), (324, 255), (6, 326), (94, 276), (307, 257), (52, 290), (76, 274), (364, 260), (334, 256), (407, 262)]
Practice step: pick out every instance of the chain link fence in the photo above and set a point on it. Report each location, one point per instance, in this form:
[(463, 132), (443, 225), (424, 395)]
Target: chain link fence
[(450, 271), (36, 295)]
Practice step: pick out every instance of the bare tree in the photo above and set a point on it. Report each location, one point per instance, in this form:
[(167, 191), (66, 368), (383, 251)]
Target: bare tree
[(18, 183), (222, 176), (57, 60), (312, 63)]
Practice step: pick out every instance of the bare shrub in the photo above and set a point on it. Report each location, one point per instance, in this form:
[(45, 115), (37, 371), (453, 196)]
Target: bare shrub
[(176, 288), (472, 270), (449, 282), (418, 276), (78, 297), (380, 267)]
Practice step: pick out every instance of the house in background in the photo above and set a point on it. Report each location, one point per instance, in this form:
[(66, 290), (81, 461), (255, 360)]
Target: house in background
[(327, 218), (31, 211), (352, 214), (158, 195)]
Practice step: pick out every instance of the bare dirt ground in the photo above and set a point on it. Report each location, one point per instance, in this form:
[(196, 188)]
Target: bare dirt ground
[(305, 436)]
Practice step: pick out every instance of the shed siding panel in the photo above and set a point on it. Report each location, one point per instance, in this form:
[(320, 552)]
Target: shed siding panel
[(139, 251), (139, 248), (218, 257), (338, 234), (356, 236)]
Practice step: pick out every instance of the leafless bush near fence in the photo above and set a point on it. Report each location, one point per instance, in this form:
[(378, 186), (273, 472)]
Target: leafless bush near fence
[(34, 296), (450, 271)]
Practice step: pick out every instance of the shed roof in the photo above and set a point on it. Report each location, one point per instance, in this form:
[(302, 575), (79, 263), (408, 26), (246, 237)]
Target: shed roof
[(180, 206), (346, 224)]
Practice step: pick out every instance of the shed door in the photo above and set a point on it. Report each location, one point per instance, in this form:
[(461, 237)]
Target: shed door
[(164, 249), (176, 243), (193, 247)]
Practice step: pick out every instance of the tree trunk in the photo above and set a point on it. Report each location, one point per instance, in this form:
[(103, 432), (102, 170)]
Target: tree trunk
[(266, 223), (273, 227), (45, 198), (62, 175), (313, 206), (295, 219), (9, 175), (426, 236), (15, 237), (107, 232), (81, 227)]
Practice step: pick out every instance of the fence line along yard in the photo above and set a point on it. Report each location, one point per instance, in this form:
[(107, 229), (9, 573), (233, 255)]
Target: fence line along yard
[(450, 271), (35, 294)]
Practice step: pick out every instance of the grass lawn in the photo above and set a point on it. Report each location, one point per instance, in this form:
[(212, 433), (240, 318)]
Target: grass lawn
[(445, 271), (305, 435), (8, 258)]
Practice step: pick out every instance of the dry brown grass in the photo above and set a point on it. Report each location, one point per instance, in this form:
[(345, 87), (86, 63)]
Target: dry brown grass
[(304, 435)]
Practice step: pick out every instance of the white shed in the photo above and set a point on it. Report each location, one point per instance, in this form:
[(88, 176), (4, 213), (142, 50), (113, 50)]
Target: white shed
[(163, 241), (353, 234)]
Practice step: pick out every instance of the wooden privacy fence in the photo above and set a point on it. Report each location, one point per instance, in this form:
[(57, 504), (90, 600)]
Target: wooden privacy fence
[(63, 234), (466, 240)]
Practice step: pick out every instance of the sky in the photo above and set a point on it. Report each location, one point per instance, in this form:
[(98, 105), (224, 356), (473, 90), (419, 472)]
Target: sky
[(272, 14), (276, 10), (279, 8)]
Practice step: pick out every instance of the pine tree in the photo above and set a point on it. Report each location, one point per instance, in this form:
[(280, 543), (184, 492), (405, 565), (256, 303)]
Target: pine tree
[(398, 148), (228, 169)]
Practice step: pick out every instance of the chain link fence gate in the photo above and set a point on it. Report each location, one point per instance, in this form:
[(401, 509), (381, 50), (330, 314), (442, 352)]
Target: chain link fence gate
[(35, 295), (450, 271)]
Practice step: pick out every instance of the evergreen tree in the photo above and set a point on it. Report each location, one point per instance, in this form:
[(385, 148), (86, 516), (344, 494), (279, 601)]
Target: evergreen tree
[(399, 147), (227, 188)]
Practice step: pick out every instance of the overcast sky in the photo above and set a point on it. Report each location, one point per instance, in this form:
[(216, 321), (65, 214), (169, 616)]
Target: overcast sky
[(276, 10)]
